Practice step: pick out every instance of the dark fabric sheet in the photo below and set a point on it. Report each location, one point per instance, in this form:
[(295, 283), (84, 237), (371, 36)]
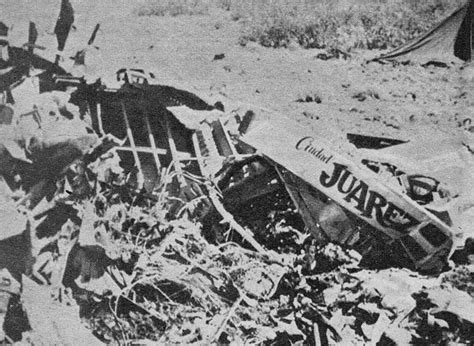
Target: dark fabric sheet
[(448, 42)]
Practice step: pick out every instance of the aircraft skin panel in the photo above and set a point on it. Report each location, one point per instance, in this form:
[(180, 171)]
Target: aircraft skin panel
[(354, 187)]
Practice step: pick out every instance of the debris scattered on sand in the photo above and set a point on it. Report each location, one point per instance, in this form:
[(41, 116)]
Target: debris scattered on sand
[(140, 213)]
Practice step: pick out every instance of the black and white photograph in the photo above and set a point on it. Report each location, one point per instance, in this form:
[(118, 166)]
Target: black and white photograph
[(236, 172)]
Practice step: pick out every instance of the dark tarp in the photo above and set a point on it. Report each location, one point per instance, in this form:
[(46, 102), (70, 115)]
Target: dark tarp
[(450, 41)]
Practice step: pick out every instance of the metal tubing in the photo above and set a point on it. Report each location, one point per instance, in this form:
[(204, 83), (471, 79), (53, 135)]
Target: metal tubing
[(130, 138)]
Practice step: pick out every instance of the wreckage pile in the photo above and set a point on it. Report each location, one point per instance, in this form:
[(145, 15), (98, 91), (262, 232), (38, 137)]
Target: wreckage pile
[(120, 264), (139, 213)]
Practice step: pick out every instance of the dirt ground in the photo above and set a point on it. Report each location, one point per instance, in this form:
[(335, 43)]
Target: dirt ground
[(404, 102)]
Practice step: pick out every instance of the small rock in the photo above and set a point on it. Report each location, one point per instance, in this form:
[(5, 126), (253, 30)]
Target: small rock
[(219, 56), (323, 56), (360, 97), (310, 98), (364, 95)]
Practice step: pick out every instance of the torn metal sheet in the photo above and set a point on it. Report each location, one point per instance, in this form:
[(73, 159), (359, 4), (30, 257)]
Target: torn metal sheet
[(13, 223), (356, 188), (449, 163), (54, 323), (211, 140), (193, 119), (445, 159)]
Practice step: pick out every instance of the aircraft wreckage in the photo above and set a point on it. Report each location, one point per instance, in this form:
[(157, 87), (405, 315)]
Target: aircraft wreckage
[(375, 196)]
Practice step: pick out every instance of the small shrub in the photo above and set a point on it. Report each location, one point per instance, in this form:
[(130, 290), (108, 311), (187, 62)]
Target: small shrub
[(339, 24), (363, 95), (173, 8)]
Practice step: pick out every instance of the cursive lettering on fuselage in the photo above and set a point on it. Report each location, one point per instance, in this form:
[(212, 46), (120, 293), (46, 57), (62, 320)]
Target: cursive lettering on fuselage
[(307, 144), (369, 202)]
